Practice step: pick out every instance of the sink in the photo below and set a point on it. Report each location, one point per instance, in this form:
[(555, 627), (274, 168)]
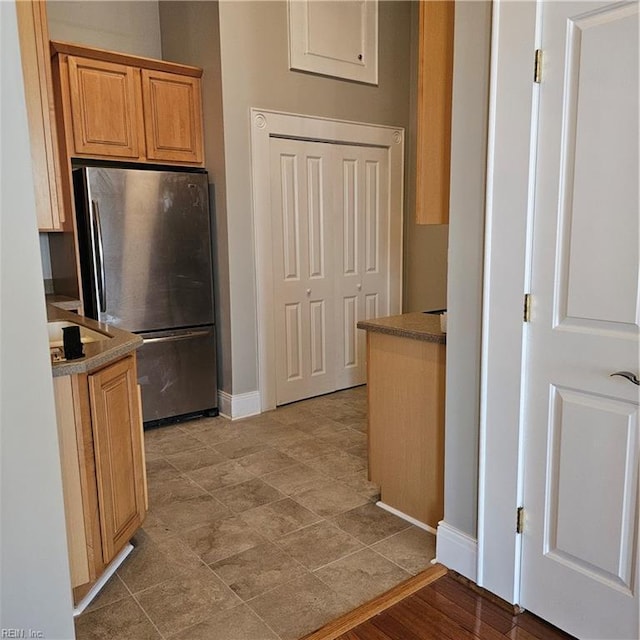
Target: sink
[(86, 334)]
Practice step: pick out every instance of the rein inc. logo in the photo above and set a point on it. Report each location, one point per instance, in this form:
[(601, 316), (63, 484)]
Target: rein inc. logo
[(21, 633)]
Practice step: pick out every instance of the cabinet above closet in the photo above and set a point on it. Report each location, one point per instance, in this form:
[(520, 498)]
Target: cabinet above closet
[(122, 107)]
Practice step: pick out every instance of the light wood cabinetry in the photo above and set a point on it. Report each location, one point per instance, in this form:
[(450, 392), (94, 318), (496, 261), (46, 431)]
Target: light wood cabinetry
[(435, 82), (101, 449), (38, 86), (173, 116), (118, 106), (105, 105), (115, 417), (406, 398)]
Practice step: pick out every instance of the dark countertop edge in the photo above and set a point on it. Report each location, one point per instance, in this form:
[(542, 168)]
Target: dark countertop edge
[(428, 329), (98, 354)]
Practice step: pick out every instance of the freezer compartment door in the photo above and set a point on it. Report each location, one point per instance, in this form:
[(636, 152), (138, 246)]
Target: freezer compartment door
[(177, 372)]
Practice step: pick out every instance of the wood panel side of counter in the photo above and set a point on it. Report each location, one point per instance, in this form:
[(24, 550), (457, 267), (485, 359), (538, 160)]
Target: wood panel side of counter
[(406, 388)]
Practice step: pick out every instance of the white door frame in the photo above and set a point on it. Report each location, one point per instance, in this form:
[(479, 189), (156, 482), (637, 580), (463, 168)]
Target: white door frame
[(508, 205), (266, 124)]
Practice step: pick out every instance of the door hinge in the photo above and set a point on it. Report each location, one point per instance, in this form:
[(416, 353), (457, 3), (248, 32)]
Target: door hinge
[(520, 520), (526, 315), (537, 66)]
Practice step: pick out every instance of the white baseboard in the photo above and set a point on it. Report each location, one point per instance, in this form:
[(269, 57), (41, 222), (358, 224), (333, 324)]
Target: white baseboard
[(241, 405), (456, 550), (112, 567), (404, 516)]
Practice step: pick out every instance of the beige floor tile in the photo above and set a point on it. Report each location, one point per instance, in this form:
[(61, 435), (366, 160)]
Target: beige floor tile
[(169, 440), (294, 479), (338, 464), (358, 482), (240, 447), (318, 544), (159, 469), (163, 492), (276, 519), (220, 475), (239, 623), (307, 449), (153, 561), (359, 450), (113, 591), (266, 461), (299, 607), (177, 604), (188, 514), (329, 498), (221, 539), (212, 433), (412, 549), (247, 495), (345, 438), (362, 576), (369, 523), (257, 570), (195, 459), (122, 620)]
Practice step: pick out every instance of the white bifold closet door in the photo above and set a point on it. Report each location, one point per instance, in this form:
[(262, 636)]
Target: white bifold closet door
[(330, 207)]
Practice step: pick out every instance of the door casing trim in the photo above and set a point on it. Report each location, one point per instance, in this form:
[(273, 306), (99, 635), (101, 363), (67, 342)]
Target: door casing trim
[(265, 124)]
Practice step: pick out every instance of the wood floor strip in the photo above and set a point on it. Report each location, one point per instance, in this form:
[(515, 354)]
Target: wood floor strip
[(350, 620)]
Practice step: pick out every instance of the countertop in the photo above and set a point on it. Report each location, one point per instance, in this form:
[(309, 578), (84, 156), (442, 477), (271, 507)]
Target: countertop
[(416, 325), (119, 343)]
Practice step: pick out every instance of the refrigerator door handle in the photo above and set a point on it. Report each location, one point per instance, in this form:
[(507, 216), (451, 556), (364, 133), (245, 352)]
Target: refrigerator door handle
[(98, 256), (180, 336)]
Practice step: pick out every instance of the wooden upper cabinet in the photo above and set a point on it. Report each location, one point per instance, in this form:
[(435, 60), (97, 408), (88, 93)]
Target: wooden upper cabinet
[(117, 439), (435, 82), (119, 106), (38, 86), (173, 116), (105, 107)]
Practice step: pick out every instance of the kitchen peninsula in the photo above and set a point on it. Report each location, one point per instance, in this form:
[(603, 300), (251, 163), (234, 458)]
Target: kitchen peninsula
[(406, 396)]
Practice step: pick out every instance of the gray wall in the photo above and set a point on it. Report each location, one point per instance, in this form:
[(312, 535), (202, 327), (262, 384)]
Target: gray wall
[(191, 35), (466, 248), (126, 26), (35, 585), (255, 73)]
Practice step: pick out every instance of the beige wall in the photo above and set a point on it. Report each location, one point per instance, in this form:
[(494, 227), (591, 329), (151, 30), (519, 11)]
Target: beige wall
[(127, 26)]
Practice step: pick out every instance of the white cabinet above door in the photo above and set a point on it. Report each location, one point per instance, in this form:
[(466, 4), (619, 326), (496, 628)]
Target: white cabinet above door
[(337, 39)]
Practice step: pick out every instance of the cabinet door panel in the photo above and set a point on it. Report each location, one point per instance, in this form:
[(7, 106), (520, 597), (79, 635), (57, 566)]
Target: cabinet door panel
[(106, 108), (173, 117), (117, 436)]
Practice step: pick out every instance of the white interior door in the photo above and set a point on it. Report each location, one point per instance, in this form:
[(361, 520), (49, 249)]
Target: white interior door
[(303, 268), (580, 542), (330, 228), (361, 233)]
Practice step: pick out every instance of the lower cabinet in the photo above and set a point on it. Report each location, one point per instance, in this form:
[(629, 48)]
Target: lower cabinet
[(103, 469), (406, 391)]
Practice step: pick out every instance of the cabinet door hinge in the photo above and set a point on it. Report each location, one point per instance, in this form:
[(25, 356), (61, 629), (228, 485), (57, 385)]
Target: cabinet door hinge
[(537, 66), (520, 520), (526, 315)]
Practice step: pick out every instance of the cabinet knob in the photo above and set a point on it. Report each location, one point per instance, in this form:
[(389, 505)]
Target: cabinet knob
[(359, 287), (308, 292)]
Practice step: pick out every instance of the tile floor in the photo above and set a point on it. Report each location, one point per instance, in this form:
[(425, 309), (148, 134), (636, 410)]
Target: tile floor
[(259, 529)]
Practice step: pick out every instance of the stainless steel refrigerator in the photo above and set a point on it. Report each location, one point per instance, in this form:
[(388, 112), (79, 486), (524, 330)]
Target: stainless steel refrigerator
[(145, 255)]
